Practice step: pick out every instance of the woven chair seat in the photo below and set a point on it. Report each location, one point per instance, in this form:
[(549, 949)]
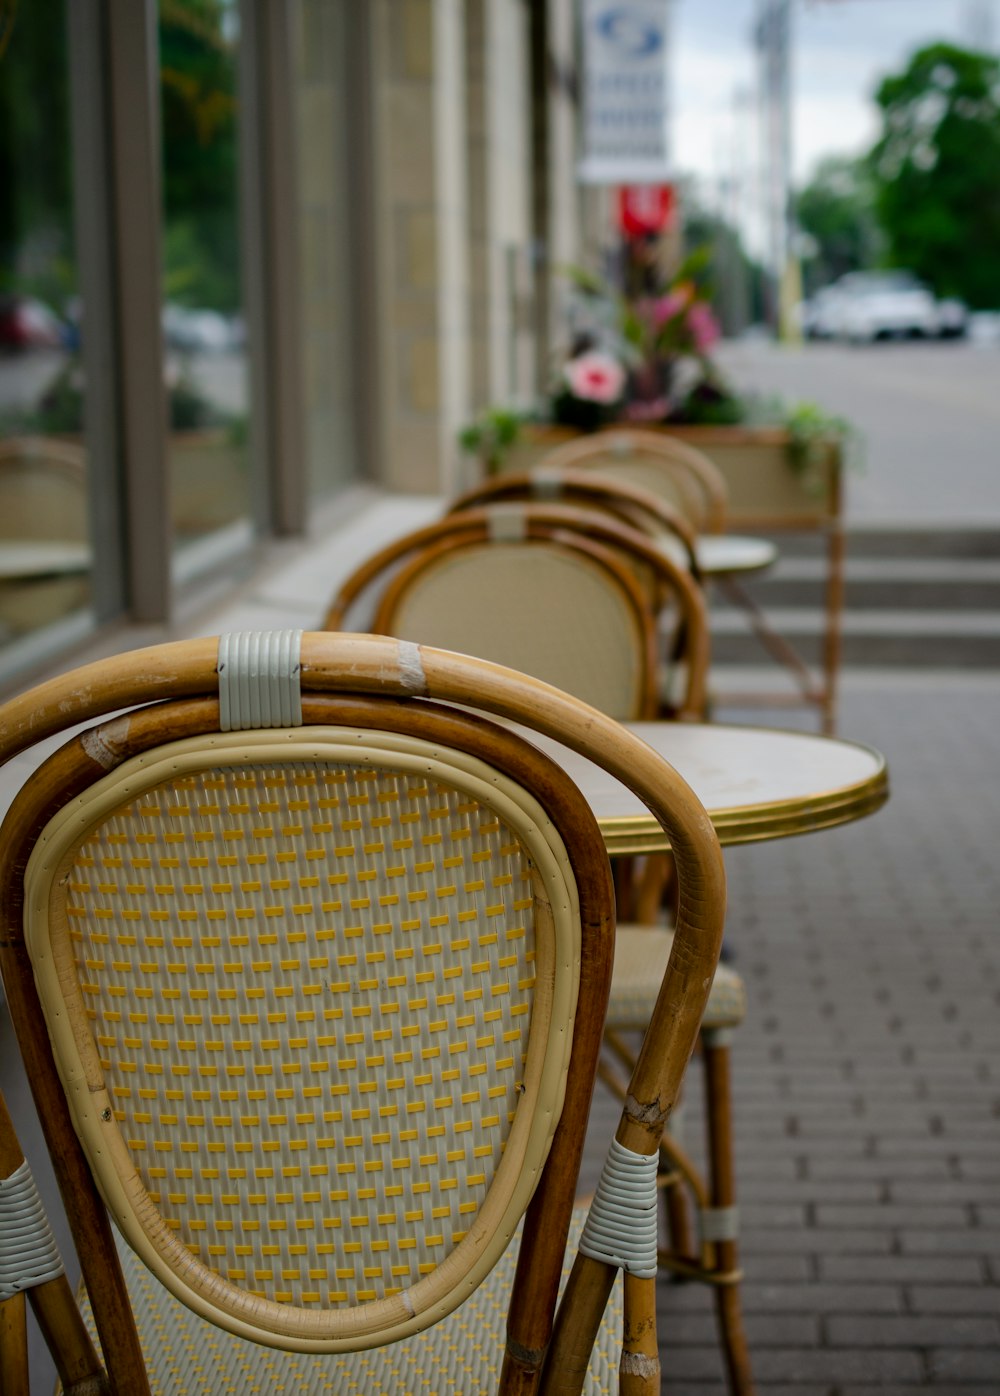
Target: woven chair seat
[(186, 1355), (640, 955)]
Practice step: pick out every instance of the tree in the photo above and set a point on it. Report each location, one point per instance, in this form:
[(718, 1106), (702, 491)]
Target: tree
[(836, 211), (937, 171)]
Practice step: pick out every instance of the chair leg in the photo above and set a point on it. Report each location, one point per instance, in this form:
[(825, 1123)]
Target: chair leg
[(720, 1222), (13, 1347)]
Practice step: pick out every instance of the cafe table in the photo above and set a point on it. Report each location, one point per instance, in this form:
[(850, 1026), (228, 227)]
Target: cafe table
[(725, 555), (756, 783)]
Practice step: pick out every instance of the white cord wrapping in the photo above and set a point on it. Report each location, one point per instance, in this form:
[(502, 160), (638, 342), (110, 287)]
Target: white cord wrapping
[(621, 1225), (28, 1252), (259, 679), (506, 523)]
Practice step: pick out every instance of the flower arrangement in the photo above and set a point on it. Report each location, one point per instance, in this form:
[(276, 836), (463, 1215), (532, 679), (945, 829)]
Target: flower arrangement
[(643, 355)]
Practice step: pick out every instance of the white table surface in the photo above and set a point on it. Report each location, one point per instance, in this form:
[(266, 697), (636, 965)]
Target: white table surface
[(726, 554), (756, 783)]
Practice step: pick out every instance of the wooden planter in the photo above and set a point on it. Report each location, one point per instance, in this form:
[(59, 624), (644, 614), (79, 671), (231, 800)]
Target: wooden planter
[(768, 488)]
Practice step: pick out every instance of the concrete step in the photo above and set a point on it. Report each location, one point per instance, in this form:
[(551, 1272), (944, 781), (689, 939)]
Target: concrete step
[(930, 639), (884, 583), (913, 597), (860, 542)]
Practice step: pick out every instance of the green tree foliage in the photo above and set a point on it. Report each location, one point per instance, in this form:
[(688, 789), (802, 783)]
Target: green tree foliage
[(35, 174), (937, 171), (836, 211), (200, 152)]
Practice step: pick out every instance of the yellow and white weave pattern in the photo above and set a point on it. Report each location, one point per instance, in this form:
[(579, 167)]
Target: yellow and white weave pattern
[(461, 1356), (310, 989)]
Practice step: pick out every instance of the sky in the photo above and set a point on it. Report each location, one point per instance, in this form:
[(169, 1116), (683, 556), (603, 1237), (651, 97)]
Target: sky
[(840, 50)]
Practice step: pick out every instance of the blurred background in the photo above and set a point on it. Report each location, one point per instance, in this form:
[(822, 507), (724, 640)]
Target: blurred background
[(257, 259)]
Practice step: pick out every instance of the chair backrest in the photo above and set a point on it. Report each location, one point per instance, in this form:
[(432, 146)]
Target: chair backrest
[(582, 489), (573, 598), (309, 974), (672, 470), (43, 490)]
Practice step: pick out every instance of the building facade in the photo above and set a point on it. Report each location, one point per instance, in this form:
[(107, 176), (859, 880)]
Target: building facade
[(255, 254)]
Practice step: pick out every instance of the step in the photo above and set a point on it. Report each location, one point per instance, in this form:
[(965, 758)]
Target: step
[(859, 542), (931, 638), (883, 584)]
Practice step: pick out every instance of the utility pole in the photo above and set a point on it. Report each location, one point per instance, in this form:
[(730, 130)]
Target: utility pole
[(773, 41)]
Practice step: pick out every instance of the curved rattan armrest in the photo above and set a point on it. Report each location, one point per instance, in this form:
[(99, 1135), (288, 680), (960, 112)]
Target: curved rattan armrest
[(621, 499), (600, 450)]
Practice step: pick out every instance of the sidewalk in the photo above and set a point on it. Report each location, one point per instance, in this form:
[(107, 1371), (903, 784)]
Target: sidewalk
[(867, 1074)]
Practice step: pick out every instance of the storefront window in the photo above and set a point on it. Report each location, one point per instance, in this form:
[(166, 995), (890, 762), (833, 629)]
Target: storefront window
[(204, 333), (45, 552)]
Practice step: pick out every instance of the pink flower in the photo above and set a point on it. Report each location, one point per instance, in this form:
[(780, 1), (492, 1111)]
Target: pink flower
[(703, 326), (595, 377), (670, 305)]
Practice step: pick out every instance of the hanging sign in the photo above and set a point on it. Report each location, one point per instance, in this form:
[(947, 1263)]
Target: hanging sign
[(624, 113), (646, 209)]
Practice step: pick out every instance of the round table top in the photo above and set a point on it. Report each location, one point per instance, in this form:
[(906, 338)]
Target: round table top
[(41, 557), (757, 783), (724, 554)]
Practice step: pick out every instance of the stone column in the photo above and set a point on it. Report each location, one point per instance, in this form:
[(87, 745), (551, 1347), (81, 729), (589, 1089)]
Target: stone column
[(418, 238)]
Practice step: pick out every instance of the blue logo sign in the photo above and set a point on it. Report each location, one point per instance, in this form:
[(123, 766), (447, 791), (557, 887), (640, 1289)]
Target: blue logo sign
[(631, 34)]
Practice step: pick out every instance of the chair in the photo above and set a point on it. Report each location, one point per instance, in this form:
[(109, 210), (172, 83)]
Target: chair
[(45, 557), (580, 489), (679, 474), (308, 966), (472, 580)]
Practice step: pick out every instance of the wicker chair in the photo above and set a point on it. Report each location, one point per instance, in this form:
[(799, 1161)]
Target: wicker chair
[(596, 591), (468, 582), (308, 965), (675, 472)]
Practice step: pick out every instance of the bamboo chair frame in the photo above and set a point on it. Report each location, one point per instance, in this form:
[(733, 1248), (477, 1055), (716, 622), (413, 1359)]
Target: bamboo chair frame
[(638, 508), (691, 483), (352, 674), (621, 551)]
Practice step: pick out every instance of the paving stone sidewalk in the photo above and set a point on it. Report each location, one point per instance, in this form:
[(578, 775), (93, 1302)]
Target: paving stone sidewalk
[(867, 1075)]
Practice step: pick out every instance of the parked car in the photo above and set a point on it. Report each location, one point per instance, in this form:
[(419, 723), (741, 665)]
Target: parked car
[(28, 323), (884, 305)]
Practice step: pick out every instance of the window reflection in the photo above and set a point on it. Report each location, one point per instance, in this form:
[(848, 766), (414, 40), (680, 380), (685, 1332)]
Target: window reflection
[(205, 352), (45, 555)]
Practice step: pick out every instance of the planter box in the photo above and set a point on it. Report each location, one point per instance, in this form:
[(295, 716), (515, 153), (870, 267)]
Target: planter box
[(767, 488)]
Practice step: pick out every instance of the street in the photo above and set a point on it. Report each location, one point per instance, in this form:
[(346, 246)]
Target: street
[(929, 415)]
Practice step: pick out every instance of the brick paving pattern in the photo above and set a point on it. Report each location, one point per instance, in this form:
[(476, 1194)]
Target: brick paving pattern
[(867, 1074), (867, 1077)]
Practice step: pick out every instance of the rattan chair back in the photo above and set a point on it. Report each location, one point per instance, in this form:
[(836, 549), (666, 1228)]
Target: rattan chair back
[(309, 973), (574, 598), (582, 489), (673, 471)]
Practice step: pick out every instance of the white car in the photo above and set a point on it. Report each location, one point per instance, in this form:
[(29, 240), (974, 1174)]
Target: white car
[(884, 305)]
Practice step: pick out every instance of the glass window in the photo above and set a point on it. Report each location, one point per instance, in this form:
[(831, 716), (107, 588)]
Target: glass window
[(329, 349), (204, 335), (45, 552)]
